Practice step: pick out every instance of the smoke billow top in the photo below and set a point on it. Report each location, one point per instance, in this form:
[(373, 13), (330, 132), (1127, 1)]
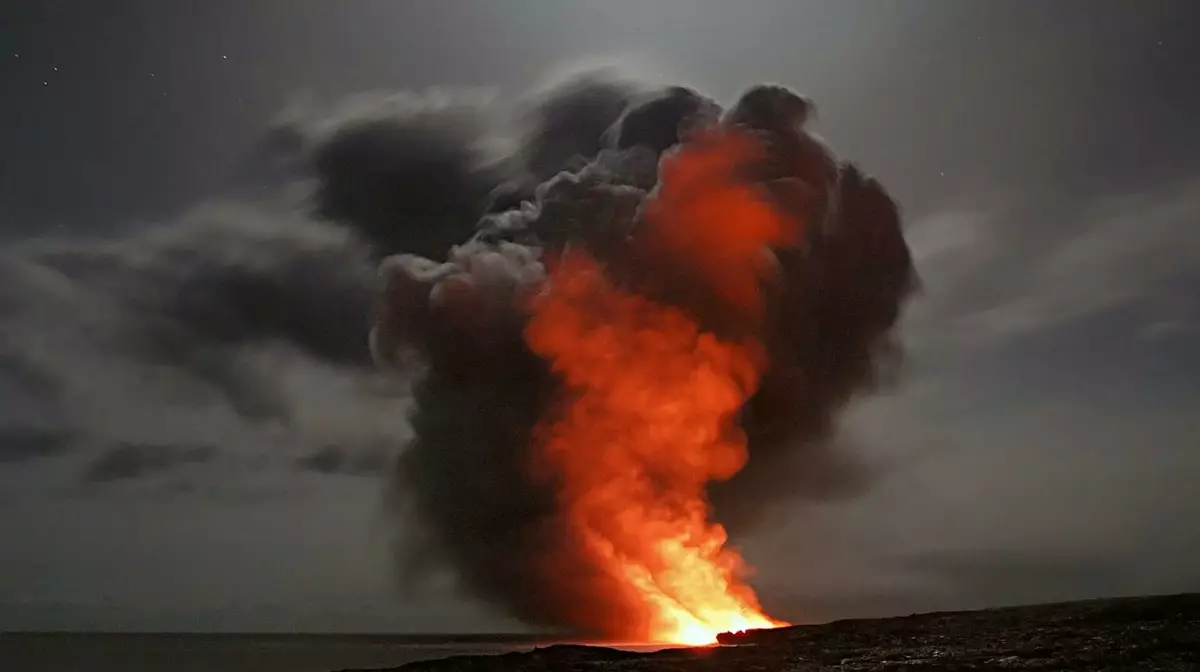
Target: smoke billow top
[(630, 182)]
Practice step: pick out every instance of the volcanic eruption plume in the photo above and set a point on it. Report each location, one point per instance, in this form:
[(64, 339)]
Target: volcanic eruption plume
[(644, 351)]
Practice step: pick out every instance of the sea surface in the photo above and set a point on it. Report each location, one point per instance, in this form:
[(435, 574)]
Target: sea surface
[(72, 652)]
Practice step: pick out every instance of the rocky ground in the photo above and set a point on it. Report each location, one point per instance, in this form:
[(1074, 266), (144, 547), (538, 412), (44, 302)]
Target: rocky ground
[(1153, 633)]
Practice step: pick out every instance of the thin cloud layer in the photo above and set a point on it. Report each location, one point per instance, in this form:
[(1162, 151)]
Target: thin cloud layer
[(1006, 270), (134, 461)]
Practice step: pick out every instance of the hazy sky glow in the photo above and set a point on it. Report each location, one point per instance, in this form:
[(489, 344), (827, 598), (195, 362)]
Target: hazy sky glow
[(1042, 443)]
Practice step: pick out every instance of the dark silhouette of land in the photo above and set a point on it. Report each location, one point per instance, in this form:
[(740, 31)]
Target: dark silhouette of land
[(1147, 633)]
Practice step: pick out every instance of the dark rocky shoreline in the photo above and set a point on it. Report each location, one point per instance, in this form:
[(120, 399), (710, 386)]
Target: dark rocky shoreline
[(1147, 633)]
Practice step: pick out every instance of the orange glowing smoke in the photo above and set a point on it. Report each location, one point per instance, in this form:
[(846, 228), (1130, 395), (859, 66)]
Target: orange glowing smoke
[(653, 398)]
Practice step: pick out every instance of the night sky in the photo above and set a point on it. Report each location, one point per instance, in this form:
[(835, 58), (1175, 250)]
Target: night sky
[(1043, 442)]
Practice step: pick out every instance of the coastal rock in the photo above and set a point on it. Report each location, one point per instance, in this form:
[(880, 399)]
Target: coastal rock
[(1150, 633)]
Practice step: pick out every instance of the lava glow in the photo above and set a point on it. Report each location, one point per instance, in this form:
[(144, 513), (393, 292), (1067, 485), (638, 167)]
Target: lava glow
[(652, 399)]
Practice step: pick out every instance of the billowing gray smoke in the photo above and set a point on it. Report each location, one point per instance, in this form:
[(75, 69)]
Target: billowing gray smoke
[(192, 340), (236, 332), (464, 481), (171, 343)]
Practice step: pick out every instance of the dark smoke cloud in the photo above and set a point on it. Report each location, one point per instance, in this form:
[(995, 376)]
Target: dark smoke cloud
[(410, 173), (659, 120), (564, 126), (216, 312), (464, 481)]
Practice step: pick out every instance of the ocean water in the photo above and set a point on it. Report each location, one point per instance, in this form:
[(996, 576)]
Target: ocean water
[(61, 652)]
